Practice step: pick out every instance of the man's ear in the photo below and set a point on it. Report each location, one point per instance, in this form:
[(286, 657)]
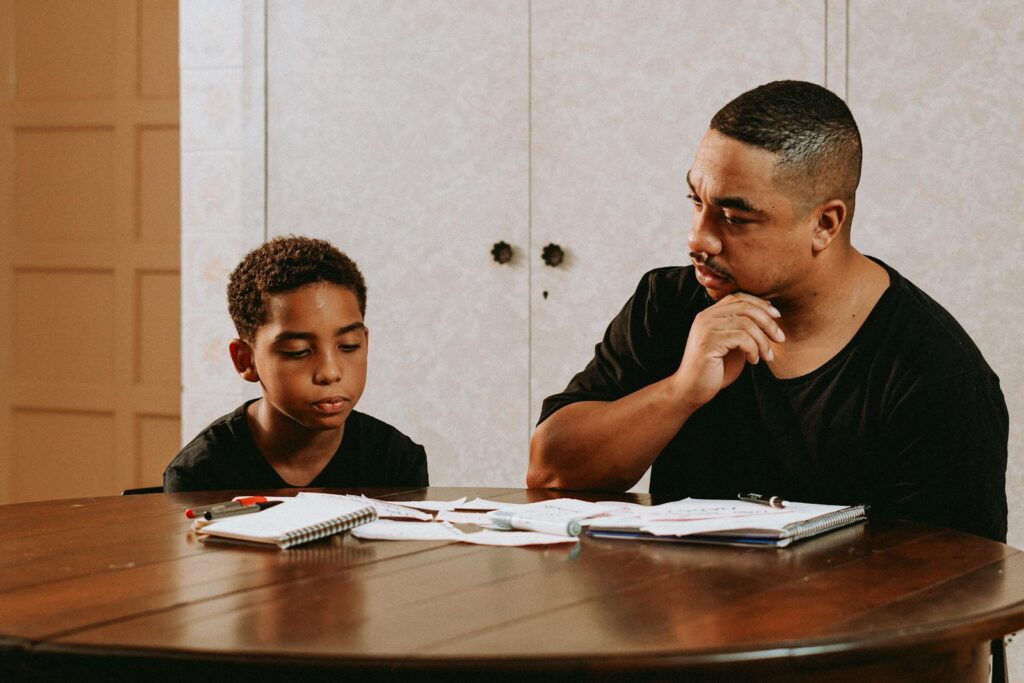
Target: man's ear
[(831, 220), (242, 357)]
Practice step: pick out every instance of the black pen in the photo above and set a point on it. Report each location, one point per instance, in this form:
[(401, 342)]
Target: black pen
[(771, 501), (210, 515)]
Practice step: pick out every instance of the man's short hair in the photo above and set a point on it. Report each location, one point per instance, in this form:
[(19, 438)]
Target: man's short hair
[(810, 129), (282, 265)]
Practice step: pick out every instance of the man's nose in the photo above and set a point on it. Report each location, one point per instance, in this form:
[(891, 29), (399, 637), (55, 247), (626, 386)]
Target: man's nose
[(702, 237)]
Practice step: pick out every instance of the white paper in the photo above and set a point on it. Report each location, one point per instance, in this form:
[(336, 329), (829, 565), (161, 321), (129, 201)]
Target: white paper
[(515, 538), (431, 505), (389, 530), (459, 517), (385, 509), (696, 516), (558, 511), (486, 505)]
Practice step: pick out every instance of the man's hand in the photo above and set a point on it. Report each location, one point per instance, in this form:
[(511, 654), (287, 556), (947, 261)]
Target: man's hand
[(737, 330)]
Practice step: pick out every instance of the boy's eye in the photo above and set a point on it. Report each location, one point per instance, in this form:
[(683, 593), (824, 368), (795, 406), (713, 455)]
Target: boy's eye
[(349, 348), (694, 198), (302, 353)]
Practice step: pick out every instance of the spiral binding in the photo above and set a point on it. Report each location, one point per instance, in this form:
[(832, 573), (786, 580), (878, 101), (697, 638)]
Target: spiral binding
[(328, 528), (826, 522)]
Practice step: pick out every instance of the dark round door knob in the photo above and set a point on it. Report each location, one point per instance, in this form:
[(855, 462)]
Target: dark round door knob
[(502, 252), (552, 255)]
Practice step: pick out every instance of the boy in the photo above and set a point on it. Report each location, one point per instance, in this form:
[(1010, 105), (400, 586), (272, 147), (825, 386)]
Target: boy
[(298, 306)]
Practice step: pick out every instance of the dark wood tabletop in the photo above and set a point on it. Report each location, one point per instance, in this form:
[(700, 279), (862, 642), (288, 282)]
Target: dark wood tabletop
[(119, 587)]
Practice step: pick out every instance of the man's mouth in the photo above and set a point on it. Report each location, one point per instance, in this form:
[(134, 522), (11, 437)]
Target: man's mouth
[(706, 271)]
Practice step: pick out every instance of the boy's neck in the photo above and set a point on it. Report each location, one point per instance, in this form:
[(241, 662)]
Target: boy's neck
[(296, 453)]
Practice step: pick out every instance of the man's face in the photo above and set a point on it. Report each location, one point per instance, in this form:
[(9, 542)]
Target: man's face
[(311, 355), (746, 235)]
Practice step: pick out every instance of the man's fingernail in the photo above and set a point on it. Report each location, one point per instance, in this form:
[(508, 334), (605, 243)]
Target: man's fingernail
[(774, 312), (771, 355)]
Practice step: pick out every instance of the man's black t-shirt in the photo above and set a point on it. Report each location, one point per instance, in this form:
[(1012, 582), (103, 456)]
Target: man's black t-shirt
[(907, 418), (224, 456)]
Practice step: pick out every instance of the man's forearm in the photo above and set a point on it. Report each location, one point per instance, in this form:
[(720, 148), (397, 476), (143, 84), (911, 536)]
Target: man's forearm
[(606, 445)]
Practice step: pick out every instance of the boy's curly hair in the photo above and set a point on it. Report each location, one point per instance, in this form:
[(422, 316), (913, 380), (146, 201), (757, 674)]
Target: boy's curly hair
[(284, 264)]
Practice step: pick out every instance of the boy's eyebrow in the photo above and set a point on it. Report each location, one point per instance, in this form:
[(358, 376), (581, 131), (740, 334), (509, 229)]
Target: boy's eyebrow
[(309, 335), (738, 203)]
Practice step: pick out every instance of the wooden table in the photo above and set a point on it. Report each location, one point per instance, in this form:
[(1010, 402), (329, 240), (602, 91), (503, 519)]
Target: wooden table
[(119, 587)]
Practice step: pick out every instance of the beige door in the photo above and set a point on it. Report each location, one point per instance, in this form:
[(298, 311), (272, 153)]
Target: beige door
[(89, 256)]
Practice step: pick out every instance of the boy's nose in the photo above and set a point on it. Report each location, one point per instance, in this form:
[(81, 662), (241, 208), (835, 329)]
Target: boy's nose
[(328, 372)]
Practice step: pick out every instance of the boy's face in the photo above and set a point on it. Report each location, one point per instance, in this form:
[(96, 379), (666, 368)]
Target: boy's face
[(310, 355)]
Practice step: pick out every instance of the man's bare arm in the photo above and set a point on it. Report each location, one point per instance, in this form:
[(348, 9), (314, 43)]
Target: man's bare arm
[(609, 445), (605, 445)]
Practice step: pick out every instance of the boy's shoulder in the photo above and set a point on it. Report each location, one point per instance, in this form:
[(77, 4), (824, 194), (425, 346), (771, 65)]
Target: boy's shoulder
[(220, 447), (227, 431), (371, 431)]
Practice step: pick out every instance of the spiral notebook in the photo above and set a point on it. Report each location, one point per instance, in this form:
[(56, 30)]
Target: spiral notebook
[(298, 520), (770, 528)]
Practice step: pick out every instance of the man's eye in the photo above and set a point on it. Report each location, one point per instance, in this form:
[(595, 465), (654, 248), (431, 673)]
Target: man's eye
[(734, 220), (296, 354), (349, 348), (694, 198)]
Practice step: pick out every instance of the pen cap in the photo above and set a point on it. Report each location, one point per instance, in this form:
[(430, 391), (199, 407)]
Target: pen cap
[(511, 519), (501, 518)]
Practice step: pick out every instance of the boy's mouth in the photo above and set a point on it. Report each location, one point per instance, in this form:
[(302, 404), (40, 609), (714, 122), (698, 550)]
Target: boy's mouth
[(332, 404)]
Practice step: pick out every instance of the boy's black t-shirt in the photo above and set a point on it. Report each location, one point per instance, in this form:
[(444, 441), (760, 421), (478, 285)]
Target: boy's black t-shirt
[(907, 418), (224, 456)]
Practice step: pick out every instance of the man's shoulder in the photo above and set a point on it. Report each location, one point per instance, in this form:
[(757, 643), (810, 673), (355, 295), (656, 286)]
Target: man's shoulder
[(925, 335), (668, 295), (672, 282)]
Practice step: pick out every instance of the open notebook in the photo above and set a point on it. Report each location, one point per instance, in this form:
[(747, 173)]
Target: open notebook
[(726, 522), (297, 520)]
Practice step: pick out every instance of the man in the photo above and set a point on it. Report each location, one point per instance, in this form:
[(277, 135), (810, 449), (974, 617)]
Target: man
[(783, 361)]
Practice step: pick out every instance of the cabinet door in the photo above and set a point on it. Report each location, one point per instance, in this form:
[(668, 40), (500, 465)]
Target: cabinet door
[(622, 94), (399, 132)]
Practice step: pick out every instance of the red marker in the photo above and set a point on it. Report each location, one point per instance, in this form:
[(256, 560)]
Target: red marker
[(192, 513), (211, 515)]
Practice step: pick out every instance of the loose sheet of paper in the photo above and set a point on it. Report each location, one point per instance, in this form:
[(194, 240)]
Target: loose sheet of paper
[(385, 509), (431, 505), (459, 517), (389, 530)]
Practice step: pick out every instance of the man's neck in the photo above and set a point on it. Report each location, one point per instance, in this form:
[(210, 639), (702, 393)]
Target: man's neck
[(822, 319)]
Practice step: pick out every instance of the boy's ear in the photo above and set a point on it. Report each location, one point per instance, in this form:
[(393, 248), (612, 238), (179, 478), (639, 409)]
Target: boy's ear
[(242, 357)]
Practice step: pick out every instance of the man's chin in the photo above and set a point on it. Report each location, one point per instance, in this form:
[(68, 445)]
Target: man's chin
[(719, 293)]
